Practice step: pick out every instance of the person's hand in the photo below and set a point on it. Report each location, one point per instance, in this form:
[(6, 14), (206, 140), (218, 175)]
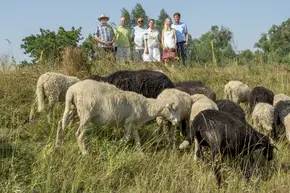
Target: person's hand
[(105, 43), (146, 52), (186, 44)]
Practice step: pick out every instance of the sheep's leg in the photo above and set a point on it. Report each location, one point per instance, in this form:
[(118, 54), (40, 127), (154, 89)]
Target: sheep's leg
[(287, 131), (59, 133), (216, 165), (247, 168), (32, 111), (80, 135), (51, 103), (137, 139), (72, 115), (127, 136), (160, 123), (172, 137), (197, 150)]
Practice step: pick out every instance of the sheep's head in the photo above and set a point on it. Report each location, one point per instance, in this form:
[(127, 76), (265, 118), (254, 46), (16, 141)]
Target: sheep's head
[(170, 113), (268, 149)]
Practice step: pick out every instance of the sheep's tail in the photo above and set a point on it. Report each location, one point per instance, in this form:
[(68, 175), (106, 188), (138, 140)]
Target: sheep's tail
[(40, 96), (68, 108)]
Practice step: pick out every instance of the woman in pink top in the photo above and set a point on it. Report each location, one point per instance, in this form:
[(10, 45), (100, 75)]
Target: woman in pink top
[(168, 41)]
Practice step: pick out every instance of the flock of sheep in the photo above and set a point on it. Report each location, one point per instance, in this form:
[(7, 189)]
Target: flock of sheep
[(132, 98)]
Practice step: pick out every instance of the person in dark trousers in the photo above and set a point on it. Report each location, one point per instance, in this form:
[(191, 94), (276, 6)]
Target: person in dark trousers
[(182, 36)]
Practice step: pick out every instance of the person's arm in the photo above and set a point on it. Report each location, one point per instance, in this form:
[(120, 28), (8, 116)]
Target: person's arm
[(113, 36), (132, 35), (162, 39), (175, 38), (146, 43), (186, 36)]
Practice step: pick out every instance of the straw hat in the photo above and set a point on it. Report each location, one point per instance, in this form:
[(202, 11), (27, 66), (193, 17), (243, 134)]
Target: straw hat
[(103, 16)]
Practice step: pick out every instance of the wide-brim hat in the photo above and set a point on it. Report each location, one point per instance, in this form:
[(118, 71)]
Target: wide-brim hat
[(103, 16)]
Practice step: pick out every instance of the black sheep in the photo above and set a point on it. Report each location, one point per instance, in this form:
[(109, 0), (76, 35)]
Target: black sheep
[(195, 87), (260, 94), (281, 111), (189, 83), (231, 107), (149, 83), (224, 134)]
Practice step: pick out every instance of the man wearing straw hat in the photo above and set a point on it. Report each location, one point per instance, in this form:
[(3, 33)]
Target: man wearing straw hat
[(104, 34)]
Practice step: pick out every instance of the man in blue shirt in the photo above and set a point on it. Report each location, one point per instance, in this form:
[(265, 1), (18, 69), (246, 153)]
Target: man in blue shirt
[(181, 35)]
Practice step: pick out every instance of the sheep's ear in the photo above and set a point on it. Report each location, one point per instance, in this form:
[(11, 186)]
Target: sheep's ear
[(171, 106), (274, 146), (174, 106)]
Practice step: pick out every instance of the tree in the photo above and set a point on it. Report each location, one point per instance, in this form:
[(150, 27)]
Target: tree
[(245, 56), (223, 50), (161, 18), (276, 43), (90, 46), (138, 12), (50, 43)]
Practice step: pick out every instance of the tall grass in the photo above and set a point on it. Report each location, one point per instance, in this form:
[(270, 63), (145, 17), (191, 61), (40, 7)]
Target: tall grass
[(29, 163)]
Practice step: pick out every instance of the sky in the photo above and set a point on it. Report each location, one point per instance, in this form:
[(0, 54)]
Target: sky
[(247, 19)]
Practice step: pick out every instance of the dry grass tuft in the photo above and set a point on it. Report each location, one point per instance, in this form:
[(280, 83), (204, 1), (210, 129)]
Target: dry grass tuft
[(74, 61)]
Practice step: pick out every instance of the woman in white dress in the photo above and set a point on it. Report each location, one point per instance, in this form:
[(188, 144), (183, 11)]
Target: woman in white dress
[(168, 42), (152, 43)]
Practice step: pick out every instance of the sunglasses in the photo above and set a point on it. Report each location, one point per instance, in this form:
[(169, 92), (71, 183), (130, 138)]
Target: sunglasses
[(140, 21)]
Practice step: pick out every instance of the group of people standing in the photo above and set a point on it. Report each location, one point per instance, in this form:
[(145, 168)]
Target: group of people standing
[(147, 41)]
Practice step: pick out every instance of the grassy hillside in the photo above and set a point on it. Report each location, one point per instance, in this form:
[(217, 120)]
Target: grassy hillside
[(28, 162)]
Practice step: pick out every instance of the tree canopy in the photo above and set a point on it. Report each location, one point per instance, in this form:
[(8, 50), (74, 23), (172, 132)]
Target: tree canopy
[(276, 42), (50, 44)]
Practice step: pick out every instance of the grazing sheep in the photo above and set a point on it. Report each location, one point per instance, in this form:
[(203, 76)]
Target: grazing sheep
[(200, 103), (263, 117), (195, 87), (260, 94), (104, 103), (149, 83), (231, 107), (280, 97), (53, 86), (237, 91), (183, 102), (282, 118), (226, 135)]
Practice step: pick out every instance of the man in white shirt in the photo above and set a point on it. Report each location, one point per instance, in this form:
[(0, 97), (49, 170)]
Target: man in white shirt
[(138, 38)]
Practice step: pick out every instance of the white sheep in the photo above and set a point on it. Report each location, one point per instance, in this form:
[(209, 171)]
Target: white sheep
[(263, 117), (200, 103), (287, 126), (237, 91), (104, 103), (183, 103), (53, 86), (280, 97)]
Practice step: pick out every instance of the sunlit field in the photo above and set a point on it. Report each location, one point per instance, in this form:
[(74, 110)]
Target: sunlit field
[(29, 162)]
